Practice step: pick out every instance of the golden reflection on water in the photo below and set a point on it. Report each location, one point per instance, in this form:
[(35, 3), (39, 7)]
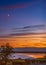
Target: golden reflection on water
[(34, 55)]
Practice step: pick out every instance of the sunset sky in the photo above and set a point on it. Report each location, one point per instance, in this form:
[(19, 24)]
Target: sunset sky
[(23, 23)]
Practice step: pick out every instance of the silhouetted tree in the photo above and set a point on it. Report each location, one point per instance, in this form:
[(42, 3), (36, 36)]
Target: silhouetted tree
[(6, 50)]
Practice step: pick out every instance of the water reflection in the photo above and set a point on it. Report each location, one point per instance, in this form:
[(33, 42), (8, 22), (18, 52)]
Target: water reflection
[(26, 55)]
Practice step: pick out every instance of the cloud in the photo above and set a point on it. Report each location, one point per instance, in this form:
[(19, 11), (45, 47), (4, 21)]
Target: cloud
[(35, 26), (16, 6), (27, 30)]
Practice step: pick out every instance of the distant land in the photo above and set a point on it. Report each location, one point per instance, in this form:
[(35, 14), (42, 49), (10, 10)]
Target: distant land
[(30, 50)]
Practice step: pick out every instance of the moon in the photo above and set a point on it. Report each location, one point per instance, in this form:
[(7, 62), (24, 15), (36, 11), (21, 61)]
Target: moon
[(8, 15)]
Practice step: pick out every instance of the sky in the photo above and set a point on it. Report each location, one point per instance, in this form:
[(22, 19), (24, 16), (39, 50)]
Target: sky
[(23, 24), (19, 18), (20, 13)]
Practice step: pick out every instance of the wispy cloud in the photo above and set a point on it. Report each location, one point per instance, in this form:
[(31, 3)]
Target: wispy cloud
[(31, 29), (36, 29), (16, 6)]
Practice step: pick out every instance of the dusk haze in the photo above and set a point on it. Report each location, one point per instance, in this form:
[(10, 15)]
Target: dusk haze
[(23, 28)]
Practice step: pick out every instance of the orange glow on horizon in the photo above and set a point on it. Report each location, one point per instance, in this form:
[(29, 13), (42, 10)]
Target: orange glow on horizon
[(25, 41)]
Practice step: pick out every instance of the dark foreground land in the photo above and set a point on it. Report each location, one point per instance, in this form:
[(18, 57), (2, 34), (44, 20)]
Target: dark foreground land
[(7, 50), (20, 61)]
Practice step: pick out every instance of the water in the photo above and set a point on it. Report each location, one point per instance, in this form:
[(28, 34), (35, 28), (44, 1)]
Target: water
[(26, 55)]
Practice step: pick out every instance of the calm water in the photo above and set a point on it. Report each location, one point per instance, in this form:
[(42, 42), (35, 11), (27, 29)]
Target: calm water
[(26, 55)]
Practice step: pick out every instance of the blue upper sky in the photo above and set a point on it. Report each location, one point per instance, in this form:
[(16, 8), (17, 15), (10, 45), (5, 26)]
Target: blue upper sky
[(20, 13)]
